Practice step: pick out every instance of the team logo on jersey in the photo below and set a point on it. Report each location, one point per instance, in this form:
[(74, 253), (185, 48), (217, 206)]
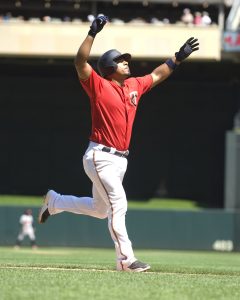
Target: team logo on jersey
[(133, 97)]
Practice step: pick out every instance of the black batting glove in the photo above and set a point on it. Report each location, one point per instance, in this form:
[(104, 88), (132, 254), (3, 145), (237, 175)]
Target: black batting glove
[(190, 46), (97, 25)]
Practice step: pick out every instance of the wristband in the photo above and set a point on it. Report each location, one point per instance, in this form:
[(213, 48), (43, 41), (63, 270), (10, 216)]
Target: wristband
[(171, 64)]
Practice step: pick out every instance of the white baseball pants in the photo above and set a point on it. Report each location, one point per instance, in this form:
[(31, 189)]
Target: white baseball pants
[(29, 232), (106, 172)]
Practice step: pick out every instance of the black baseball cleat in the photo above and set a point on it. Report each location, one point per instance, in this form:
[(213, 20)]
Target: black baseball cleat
[(138, 266), (44, 213)]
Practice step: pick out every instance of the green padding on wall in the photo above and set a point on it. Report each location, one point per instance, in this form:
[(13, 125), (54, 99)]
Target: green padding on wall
[(180, 230), (147, 229)]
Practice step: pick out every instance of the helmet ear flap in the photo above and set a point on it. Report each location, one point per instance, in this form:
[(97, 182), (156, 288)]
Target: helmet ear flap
[(109, 70)]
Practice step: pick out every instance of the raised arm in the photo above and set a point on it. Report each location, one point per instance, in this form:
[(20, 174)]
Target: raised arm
[(163, 71), (81, 64)]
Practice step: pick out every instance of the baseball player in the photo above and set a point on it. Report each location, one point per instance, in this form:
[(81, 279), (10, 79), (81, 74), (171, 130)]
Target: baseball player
[(114, 98), (27, 229)]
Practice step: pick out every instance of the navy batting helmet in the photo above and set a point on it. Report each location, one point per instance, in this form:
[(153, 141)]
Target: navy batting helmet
[(107, 62)]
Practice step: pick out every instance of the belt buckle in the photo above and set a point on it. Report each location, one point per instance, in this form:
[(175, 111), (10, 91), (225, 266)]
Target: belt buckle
[(123, 153)]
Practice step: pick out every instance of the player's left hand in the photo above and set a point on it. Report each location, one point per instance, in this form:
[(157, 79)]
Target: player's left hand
[(97, 25), (190, 46)]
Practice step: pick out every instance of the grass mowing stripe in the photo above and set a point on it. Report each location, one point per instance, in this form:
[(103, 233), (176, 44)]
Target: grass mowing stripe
[(38, 284), (85, 273)]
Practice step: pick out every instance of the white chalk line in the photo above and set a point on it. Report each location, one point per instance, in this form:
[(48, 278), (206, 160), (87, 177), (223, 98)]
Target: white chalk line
[(110, 271)]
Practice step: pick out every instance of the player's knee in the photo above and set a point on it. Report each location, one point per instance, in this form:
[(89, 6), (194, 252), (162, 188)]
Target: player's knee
[(102, 215)]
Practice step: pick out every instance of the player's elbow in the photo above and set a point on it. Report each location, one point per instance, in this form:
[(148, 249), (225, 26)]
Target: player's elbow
[(156, 79), (78, 63), (83, 69)]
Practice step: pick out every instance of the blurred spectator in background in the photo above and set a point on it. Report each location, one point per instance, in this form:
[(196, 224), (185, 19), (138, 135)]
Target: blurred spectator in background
[(117, 21), (206, 20), (137, 20), (197, 18), (187, 17), (26, 222), (155, 20), (90, 18)]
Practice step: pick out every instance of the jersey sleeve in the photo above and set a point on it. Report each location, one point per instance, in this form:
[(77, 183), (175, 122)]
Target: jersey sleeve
[(144, 83), (93, 84)]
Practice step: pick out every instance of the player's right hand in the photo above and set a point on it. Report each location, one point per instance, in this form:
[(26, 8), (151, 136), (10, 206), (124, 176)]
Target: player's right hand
[(97, 25)]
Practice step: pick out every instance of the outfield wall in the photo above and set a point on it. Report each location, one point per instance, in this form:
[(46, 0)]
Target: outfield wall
[(153, 229)]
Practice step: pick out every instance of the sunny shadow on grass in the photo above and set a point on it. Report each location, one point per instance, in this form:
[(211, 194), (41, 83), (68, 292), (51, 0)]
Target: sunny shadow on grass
[(14, 200), (154, 203), (164, 203)]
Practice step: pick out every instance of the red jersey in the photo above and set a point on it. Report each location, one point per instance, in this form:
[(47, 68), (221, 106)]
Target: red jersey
[(113, 108)]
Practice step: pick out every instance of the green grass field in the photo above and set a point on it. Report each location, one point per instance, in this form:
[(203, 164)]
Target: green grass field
[(80, 273)]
